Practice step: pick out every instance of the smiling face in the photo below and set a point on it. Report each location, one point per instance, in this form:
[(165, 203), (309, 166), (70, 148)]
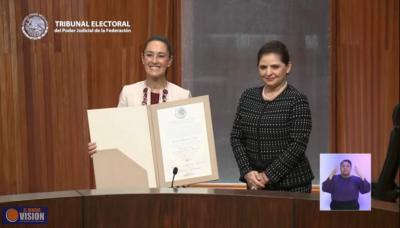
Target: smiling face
[(345, 169), (156, 59), (272, 71)]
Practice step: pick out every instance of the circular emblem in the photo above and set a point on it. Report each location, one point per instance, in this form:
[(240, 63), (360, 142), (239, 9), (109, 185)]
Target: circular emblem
[(180, 113), (34, 26), (12, 215)]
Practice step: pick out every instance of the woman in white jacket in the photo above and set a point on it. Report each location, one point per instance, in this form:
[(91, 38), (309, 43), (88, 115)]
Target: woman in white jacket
[(156, 58)]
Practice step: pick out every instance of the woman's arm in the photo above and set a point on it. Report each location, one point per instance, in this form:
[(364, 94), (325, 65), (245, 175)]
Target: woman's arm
[(123, 101), (300, 129), (237, 143)]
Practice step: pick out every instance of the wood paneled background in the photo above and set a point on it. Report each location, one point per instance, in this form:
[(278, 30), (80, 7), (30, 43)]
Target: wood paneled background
[(364, 76), (47, 85)]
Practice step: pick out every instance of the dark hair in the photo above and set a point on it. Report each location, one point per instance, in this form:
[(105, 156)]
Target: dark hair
[(162, 39), (276, 47), (346, 160)]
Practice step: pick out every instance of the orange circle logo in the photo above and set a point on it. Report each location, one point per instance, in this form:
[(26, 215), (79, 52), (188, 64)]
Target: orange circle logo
[(12, 215)]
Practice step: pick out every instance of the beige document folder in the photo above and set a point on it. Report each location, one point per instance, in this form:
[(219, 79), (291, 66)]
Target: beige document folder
[(155, 139), (127, 130), (116, 170)]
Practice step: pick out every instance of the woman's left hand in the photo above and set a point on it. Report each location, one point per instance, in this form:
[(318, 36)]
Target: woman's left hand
[(92, 148), (254, 180), (263, 178)]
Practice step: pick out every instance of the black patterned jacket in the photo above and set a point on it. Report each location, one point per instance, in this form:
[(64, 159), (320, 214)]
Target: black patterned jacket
[(272, 136)]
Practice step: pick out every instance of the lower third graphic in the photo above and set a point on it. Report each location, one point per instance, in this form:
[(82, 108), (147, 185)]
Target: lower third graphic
[(24, 215)]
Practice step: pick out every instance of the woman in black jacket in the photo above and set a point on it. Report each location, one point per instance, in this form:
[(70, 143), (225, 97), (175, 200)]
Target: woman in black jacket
[(272, 127)]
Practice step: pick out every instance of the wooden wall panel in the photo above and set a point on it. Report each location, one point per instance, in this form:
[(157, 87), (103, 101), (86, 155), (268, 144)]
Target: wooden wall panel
[(114, 60), (43, 135), (47, 85), (364, 76)]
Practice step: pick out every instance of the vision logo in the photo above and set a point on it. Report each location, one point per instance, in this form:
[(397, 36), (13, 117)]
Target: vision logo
[(12, 215), (24, 215)]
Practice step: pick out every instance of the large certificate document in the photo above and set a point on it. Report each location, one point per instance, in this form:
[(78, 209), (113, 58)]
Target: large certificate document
[(185, 140), (158, 138)]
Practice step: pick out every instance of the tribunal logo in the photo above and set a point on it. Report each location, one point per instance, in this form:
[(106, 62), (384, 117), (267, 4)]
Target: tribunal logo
[(34, 26)]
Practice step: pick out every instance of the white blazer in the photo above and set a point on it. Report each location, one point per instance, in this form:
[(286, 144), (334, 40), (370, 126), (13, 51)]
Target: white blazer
[(132, 95)]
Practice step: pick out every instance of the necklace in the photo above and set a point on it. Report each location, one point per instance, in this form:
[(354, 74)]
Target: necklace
[(274, 94), (164, 95)]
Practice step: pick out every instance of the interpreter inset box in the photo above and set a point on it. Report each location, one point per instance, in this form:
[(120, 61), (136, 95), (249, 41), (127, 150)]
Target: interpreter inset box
[(345, 182)]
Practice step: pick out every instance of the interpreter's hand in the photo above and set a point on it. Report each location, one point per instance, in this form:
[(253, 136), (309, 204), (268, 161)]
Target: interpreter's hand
[(254, 180), (333, 173), (92, 148), (357, 171)]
